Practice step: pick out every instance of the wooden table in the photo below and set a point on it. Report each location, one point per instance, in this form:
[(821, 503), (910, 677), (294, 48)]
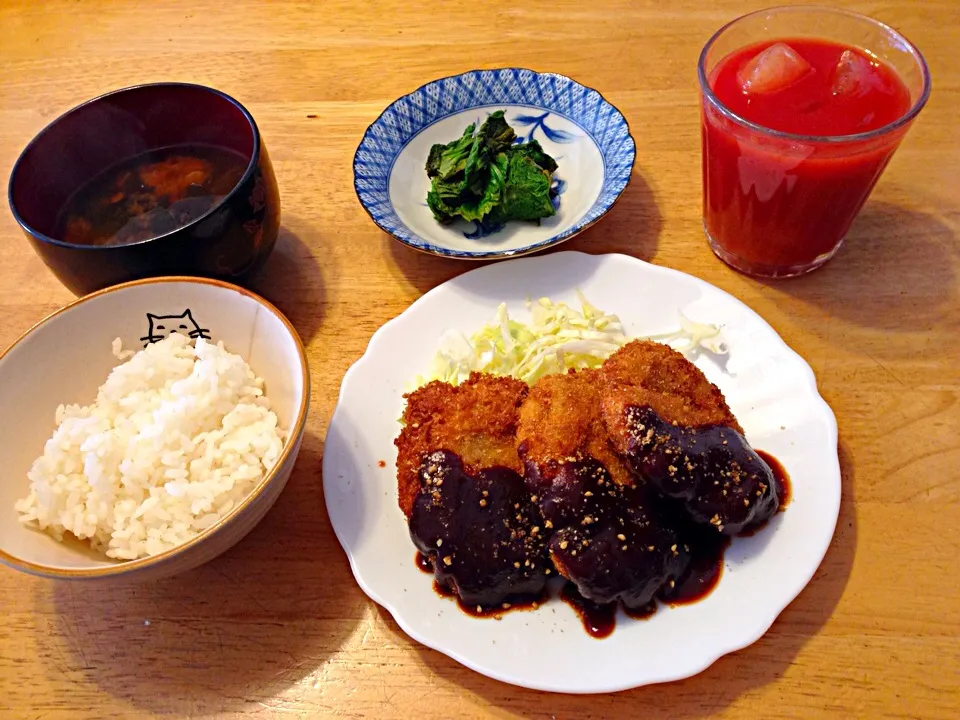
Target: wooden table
[(278, 628)]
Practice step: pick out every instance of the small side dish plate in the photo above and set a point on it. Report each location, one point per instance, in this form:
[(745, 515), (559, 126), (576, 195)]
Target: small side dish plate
[(587, 136), (768, 386)]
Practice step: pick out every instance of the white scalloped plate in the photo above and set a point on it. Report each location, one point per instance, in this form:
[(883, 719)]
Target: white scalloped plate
[(770, 388)]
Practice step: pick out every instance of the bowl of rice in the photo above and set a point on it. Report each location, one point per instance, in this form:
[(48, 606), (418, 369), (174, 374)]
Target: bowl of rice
[(146, 428)]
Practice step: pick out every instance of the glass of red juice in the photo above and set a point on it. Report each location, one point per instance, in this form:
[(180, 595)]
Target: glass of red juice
[(801, 110)]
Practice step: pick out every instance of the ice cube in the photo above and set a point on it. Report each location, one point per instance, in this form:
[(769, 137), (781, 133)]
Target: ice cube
[(852, 75), (777, 67)]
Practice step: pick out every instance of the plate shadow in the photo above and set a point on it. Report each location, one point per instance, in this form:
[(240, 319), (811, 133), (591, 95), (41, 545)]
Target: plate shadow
[(631, 227), (292, 279)]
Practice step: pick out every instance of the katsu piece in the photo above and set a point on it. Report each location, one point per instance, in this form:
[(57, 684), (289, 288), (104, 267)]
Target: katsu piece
[(476, 420), (607, 536), (468, 508), (675, 430), (480, 531)]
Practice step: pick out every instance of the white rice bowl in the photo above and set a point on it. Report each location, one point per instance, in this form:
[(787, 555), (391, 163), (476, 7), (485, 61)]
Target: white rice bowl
[(180, 433)]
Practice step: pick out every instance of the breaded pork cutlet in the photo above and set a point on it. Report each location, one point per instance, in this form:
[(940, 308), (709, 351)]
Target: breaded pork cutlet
[(607, 535), (477, 420), (675, 430), (459, 484)]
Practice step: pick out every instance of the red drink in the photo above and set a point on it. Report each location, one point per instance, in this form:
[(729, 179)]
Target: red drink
[(796, 131)]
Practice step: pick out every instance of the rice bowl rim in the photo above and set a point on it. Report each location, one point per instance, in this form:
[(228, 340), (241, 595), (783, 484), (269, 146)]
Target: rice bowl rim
[(293, 434)]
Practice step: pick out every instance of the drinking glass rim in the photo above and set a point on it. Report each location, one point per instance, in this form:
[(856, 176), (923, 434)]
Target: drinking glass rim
[(797, 137)]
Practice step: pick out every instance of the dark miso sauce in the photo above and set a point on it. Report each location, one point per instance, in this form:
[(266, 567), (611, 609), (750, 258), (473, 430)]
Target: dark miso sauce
[(784, 489), (706, 548), (150, 194), (704, 571), (642, 613), (495, 611), (424, 563), (599, 620)]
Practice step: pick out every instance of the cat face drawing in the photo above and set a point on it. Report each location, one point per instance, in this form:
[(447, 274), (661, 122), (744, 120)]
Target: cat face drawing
[(162, 326)]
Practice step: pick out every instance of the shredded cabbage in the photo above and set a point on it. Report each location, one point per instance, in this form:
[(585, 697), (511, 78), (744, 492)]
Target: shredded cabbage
[(558, 338)]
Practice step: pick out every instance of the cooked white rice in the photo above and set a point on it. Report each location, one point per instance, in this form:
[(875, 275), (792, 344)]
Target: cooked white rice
[(178, 436)]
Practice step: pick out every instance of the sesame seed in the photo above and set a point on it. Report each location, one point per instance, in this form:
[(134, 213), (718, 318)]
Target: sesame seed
[(506, 606), (447, 560), (548, 524), (621, 537), (483, 503), (563, 545), (650, 548), (439, 542), (534, 530)]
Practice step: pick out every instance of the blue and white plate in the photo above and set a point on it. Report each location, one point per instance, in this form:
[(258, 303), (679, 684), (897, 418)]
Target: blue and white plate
[(588, 137)]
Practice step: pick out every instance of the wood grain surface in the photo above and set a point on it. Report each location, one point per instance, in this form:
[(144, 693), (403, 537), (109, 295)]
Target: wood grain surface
[(278, 628)]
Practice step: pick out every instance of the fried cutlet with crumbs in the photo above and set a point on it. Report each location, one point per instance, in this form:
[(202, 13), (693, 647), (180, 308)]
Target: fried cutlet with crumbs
[(477, 420), (608, 536), (675, 430), (460, 485)]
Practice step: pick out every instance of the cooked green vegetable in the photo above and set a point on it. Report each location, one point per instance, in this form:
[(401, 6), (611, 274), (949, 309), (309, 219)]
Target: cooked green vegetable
[(484, 176)]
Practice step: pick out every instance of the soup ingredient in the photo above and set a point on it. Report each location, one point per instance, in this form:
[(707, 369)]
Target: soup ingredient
[(676, 432), (484, 176), (150, 195), (179, 435), (777, 207), (459, 484), (557, 338)]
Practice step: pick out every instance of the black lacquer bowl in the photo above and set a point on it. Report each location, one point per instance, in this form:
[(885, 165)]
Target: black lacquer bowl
[(229, 241)]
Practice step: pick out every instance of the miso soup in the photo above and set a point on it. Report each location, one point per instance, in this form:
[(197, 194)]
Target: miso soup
[(150, 194)]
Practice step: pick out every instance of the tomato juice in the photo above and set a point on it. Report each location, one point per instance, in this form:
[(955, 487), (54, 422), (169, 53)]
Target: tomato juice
[(796, 131)]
